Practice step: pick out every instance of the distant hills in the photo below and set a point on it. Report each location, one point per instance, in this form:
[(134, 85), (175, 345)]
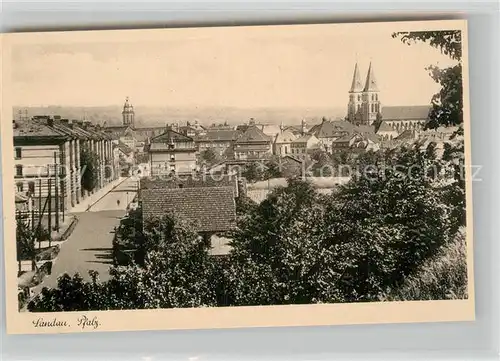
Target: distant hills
[(158, 116)]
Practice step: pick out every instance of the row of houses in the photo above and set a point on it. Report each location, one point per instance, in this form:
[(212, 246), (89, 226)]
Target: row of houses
[(47, 161)]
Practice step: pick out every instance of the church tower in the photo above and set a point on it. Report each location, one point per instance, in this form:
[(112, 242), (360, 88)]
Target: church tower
[(128, 114), (371, 103), (355, 97)]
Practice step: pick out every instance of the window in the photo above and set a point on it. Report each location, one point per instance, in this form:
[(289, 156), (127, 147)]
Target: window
[(181, 185), (19, 186), (172, 157), (286, 149), (359, 97), (31, 187), (18, 153), (171, 146), (19, 170)]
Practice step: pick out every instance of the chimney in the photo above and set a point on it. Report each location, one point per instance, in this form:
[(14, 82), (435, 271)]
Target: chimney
[(50, 121), (57, 117), (65, 121)]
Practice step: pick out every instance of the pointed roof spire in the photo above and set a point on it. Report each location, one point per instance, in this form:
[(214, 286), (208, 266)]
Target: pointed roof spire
[(356, 85), (371, 81)]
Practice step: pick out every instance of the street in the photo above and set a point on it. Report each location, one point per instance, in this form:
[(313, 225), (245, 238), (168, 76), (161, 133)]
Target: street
[(89, 247)]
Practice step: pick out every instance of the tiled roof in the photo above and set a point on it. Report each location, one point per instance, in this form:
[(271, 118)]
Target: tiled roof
[(329, 129), (219, 135), (291, 158), (171, 136), (384, 127), (286, 136), (407, 134), (345, 138), (420, 112), (253, 134), (303, 139), (188, 182), (365, 129), (211, 209), (142, 134), (124, 148), (35, 128), (270, 129)]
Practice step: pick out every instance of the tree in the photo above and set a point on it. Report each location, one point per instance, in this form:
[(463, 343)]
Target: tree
[(272, 170), (278, 255), (377, 122), (26, 238), (323, 165), (253, 172), (386, 223), (89, 162), (176, 273), (25, 241), (447, 104), (209, 157)]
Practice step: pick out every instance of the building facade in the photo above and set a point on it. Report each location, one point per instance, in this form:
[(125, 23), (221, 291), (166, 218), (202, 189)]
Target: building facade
[(172, 153), (48, 165), (253, 144)]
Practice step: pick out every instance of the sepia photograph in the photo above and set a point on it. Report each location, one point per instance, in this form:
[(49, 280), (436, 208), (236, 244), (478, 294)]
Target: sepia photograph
[(230, 168)]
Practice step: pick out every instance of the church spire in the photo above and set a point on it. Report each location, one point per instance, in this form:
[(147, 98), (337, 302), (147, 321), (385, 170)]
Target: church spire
[(371, 81), (356, 85), (128, 113)]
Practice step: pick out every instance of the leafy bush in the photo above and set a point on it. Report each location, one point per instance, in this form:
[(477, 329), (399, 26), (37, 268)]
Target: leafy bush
[(89, 162), (441, 277)]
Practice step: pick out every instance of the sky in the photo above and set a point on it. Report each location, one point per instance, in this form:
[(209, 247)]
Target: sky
[(275, 66)]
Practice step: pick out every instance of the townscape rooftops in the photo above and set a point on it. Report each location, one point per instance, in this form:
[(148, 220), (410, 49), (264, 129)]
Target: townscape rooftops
[(253, 134), (384, 127), (304, 139), (210, 209), (171, 136), (35, 128), (189, 182), (124, 148), (405, 135), (364, 129), (287, 136), (330, 129), (345, 138), (223, 135), (412, 112)]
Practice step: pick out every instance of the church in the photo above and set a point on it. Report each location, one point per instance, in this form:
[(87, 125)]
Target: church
[(134, 137), (365, 106)]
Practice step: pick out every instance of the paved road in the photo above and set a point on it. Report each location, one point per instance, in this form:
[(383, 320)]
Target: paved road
[(89, 246)]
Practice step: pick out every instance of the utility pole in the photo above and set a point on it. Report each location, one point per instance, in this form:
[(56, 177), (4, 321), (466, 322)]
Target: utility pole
[(49, 199), (32, 204)]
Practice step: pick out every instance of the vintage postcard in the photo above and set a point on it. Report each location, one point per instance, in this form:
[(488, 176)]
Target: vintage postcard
[(227, 177)]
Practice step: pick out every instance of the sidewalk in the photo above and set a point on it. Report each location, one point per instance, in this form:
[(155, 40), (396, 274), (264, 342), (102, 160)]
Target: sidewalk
[(88, 202)]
